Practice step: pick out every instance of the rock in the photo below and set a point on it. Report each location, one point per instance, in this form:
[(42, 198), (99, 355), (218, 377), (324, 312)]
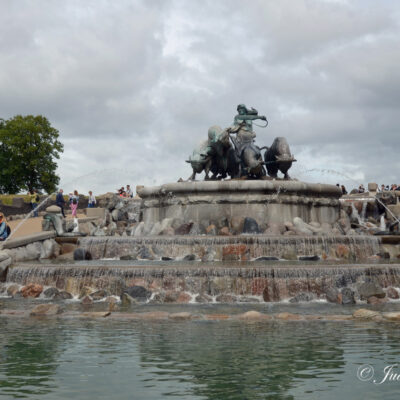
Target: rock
[(189, 257), (63, 296), (347, 296), (99, 294), (50, 249), (138, 292), (391, 316), (86, 300), (211, 230), (171, 297), (127, 300), (85, 291), (180, 316), (369, 289), (275, 229), (235, 252), (342, 251), (110, 300), (236, 224), (145, 253), (289, 255), (285, 316), (33, 251), (302, 227), (165, 258), (82, 254), (290, 233), (344, 224), (209, 255), (50, 292), (302, 297), (168, 231), (224, 231), (253, 316), (376, 300), (12, 290), (203, 298), (196, 229), (392, 293), (267, 258), (183, 298), (363, 313), (309, 258), (68, 248), (31, 290), (46, 309), (115, 214), (226, 298), (128, 257), (384, 255), (53, 209), (96, 314), (250, 225), (184, 229), (333, 295)]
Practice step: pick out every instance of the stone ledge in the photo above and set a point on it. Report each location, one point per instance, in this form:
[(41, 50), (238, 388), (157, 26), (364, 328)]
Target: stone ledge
[(24, 240)]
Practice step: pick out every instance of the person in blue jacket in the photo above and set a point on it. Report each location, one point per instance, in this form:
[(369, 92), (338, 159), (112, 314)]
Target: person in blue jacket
[(3, 227)]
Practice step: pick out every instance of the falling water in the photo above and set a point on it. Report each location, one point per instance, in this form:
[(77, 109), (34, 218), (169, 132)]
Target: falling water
[(383, 223)]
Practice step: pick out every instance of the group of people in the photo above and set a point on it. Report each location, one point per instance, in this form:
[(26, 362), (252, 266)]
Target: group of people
[(73, 201), (125, 193), (387, 188), (342, 188)]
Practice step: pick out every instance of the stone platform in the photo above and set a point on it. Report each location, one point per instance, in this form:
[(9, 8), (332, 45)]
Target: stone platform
[(267, 201)]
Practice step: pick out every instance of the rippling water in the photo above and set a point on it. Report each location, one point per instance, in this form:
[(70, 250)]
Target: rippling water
[(103, 359)]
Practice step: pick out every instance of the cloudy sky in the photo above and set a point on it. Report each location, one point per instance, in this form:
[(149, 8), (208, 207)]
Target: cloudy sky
[(133, 86)]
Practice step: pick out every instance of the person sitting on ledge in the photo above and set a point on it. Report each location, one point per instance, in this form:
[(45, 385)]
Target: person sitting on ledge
[(3, 227), (361, 189), (344, 191)]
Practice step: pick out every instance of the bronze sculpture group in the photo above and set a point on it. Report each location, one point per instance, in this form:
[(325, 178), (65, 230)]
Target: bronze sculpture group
[(232, 151)]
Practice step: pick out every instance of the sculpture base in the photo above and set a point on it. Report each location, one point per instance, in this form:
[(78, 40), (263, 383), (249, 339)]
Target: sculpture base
[(267, 202)]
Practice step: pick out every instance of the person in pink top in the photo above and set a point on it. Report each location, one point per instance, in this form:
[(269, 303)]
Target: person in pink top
[(74, 203)]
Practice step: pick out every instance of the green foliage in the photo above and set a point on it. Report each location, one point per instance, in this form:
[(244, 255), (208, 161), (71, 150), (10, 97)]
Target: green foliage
[(29, 146)]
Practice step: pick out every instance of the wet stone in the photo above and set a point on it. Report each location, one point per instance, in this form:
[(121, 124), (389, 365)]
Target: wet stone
[(189, 257), (46, 309), (369, 289), (165, 258), (250, 225), (138, 292), (309, 258), (267, 258), (302, 297), (32, 290), (63, 296), (99, 294), (392, 293), (129, 257), (50, 292), (82, 254), (347, 296), (86, 300)]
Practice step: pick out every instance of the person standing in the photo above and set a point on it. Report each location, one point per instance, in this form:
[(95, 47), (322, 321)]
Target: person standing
[(74, 203), (34, 199), (92, 200), (60, 201), (3, 227), (129, 192)]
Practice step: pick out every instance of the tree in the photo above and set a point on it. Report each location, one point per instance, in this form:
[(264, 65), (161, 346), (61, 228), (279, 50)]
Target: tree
[(29, 146)]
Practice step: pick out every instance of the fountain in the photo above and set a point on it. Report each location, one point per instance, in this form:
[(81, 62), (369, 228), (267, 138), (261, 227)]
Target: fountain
[(241, 235)]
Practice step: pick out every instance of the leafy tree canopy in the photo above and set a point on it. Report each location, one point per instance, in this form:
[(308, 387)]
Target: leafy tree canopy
[(29, 146)]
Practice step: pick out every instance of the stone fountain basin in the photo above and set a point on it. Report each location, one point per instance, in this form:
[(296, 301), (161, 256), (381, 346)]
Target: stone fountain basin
[(267, 201)]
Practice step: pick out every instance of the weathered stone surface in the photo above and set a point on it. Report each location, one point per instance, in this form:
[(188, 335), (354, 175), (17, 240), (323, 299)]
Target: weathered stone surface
[(302, 227), (53, 209), (128, 257), (289, 255), (391, 316), (211, 230), (333, 295), (302, 297), (183, 298), (127, 300), (376, 300), (50, 292), (189, 257), (236, 224), (86, 300), (253, 316), (99, 294), (180, 316), (12, 290), (226, 298), (138, 292), (46, 309), (235, 252), (224, 231), (184, 229), (82, 254), (348, 296), (63, 296), (203, 298), (369, 289), (363, 313), (285, 316), (250, 225), (32, 290), (392, 293)]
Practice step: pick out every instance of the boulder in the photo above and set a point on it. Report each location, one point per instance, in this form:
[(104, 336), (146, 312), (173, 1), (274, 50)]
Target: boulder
[(236, 224), (392, 293), (302, 297), (391, 316), (180, 316), (253, 316), (224, 231), (189, 257), (211, 230), (267, 258), (63, 296), (46, 309), (226, 298), (250, 226), (203, 298), (127, 300), (309, 258), (128, 257), (31, 290), (12, 290), (184, 229), (369, 289), (53, 209), (303, 228), (285, 316), (86, 300), (363, 313), (209, 255), (376, 300), (347, 296), (50, 292), (99, 294), (82, 254), (196, 230), (333, 295), (138, 292)]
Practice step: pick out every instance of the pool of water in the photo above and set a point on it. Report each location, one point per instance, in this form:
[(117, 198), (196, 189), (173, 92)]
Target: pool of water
[(131, 359)]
